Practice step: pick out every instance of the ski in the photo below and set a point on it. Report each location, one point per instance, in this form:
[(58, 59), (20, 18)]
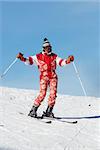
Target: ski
[(39, 118), (49, 120), (60, 119)]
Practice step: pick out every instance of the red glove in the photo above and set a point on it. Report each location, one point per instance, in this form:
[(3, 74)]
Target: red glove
[(69, 59), (20, 56)]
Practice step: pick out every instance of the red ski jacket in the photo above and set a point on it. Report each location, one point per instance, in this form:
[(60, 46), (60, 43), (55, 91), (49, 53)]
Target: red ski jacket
[(46, 63)]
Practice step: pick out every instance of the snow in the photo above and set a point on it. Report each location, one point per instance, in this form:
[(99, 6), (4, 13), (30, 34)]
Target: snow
[(20, 132)]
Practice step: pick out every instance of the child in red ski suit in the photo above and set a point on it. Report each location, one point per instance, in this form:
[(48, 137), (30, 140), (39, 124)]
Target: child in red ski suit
[(46, 62)]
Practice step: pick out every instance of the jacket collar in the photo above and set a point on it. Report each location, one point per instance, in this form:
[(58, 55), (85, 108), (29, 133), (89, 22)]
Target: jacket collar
[(47, 54)]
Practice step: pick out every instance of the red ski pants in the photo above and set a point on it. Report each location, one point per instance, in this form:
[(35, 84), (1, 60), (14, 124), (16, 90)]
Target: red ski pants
[(44, 83)]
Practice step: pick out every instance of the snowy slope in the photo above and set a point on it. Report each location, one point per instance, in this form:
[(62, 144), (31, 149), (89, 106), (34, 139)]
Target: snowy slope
[(20, 132)]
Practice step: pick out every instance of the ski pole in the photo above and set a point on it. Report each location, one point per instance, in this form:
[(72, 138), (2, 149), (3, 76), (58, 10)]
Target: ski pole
[(4, 73), (77, 73)]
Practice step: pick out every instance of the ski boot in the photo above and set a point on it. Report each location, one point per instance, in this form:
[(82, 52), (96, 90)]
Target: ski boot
[(33, 112), (48, 112)]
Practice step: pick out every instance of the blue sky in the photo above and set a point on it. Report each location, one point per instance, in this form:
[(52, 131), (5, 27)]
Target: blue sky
[(71, 27)]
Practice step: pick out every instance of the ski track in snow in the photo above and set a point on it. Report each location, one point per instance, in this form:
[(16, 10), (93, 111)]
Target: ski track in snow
[(20, 132)]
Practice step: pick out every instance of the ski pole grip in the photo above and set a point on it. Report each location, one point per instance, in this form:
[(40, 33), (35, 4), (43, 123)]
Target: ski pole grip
[(20, 55)]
